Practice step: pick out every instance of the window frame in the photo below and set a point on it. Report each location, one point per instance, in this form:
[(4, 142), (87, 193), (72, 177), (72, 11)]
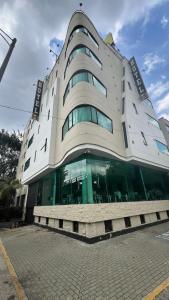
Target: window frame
[(92, 108)]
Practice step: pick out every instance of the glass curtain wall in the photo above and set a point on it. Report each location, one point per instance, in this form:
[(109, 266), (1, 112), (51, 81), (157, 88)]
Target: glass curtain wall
[(97, 180)]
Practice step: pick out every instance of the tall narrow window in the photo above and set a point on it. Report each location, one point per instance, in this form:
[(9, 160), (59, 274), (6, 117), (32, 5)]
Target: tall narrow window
[(45, 146), (41, 107), (127, 221), (123, 86), (38, 128), (48, 114), (108, 225), (52, 91), (123, 105), (129, 85), (125, 134), (35, 156), (144, 139), (123, 71), (135, 108)]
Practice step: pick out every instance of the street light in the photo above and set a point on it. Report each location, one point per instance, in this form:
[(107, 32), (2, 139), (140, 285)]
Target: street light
[(11, 45)]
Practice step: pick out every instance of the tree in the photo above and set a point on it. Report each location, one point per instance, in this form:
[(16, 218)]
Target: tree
[(8, 191), (10, 145)]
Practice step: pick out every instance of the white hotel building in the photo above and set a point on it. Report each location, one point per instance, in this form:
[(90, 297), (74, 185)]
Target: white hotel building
[(95, 161)]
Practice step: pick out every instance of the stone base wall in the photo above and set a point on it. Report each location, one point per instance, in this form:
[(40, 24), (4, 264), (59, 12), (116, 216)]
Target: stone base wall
[(94, 220)]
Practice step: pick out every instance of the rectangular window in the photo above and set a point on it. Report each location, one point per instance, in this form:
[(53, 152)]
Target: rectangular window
[(38, 129), (39, 219), (167, 211), (94, 115), (75, 226), (35, 156), (125, 134), (99, 86), (158, 215), (27, 164), (123, 71), (47, 221), (70, 120), (60, 223), (162, 147), (104, 121), (153, 121), (30, 141), (123, 105), (45, 146), (48, 114), (144, 139), (123, 86), (127, 222), (108, 225), (129, 85), (135, 108), (84, 114), (52, 91), (142, 219)]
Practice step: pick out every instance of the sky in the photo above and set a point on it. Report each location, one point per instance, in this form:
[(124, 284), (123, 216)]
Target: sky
[(139, 28)]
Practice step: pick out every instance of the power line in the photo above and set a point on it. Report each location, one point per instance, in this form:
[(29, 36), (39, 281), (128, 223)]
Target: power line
[(57, 118)]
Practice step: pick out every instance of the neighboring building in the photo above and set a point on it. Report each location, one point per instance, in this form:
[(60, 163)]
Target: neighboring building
[(96, 159), (164, 125)]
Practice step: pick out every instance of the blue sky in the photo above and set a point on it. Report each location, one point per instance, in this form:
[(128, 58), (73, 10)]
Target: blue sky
[(140, 29)]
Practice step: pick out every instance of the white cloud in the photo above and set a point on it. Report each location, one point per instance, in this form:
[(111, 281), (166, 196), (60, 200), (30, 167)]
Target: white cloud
[(164, 115), (163, 104), (157, 89), (34, 24), (151, 61), (164, 22)]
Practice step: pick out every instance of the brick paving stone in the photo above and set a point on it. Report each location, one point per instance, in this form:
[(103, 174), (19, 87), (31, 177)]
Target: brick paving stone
[(52, 266)]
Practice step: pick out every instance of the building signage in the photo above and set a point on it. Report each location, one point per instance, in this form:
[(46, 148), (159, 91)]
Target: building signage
[(38, 96), (138, 79)]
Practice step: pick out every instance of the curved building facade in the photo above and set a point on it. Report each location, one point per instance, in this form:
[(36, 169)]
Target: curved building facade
[(96, 141)]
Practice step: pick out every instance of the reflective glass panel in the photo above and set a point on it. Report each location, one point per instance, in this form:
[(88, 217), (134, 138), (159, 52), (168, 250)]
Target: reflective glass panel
[(153, 121), (99, 86), (104, 122), (162, 147)]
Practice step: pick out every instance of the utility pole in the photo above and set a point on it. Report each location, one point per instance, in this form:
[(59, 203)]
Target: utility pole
[(8, 55)]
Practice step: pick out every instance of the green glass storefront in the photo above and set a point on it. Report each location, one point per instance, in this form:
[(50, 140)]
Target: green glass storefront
[(91, 179)]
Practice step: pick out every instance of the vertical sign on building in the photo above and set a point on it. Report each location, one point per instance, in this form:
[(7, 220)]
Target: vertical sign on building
[(37, 101), (138, 79)]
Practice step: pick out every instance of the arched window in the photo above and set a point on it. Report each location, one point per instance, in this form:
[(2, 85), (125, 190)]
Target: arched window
[(82, 49), (86, 113), (83, 75), (83, 29)]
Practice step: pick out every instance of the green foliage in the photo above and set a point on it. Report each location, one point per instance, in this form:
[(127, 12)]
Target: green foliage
[(7, 191), (10, 145)]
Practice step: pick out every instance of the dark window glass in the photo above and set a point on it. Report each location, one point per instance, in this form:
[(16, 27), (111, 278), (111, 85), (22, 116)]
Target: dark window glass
[(94, 114), (123, 105), (142, 219), (60, 223), (123, 71), (48, 114), (38, 129), (70, 120), (158, 215), (30, 141), (76, 226), (47, 221), (123, 86), (45, 146), (108, 225), (39, 219), (52, 91), (135, 108), (127, 221), (167, 213), (65, 128), (125, 135), (144, 139), (27, 164)]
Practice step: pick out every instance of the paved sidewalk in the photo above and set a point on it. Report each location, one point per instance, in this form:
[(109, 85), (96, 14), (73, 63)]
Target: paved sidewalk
[(7, 290), (55, 267)]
